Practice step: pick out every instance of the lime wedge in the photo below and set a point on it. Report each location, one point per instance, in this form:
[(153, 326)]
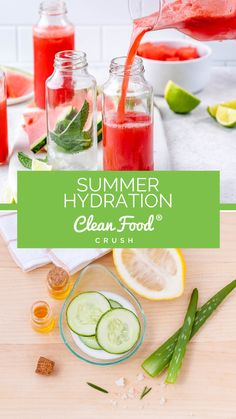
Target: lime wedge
[(9, 197), (180, 100), (226, 116), (212, 110), (40, 166)]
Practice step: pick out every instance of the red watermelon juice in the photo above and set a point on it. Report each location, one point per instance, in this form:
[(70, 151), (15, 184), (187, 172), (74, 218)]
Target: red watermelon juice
[(128, 145), (3, 132), (47, 42)]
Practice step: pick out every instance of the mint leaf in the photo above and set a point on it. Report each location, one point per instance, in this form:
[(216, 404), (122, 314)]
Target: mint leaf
[(25, 160), (69, 134)]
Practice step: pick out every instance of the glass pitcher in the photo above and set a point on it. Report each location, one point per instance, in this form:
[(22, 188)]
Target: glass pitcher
[(205, 20)]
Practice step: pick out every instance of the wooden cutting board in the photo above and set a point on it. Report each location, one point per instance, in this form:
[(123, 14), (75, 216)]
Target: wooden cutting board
[(205, 389)]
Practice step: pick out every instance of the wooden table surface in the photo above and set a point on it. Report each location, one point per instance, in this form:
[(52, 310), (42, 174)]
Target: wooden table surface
[(205, 389)]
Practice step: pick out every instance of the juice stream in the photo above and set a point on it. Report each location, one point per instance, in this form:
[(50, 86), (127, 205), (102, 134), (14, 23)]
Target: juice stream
[(202, 19)]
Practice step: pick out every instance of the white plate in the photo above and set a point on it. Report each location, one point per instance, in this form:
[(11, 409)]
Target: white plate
[(21, 99)]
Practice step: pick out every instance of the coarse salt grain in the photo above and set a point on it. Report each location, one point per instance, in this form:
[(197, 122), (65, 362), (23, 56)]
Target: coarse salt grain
[(131, 393), (120, 382), (162, 401), (140, 377)]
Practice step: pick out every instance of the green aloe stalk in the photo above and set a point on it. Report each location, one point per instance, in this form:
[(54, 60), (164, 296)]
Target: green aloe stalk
[(183, 339), (160, 359)]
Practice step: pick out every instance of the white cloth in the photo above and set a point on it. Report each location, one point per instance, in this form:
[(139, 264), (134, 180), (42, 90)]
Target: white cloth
[(72, 260)]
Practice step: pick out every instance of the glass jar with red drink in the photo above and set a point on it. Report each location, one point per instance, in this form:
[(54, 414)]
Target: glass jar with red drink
[(3, 120), (127, 129), (53, 33), (71, 113)]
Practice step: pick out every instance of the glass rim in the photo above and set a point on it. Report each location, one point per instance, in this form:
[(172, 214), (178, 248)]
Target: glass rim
[(118, 66), (52, 7), (70, 60), (45, 318)]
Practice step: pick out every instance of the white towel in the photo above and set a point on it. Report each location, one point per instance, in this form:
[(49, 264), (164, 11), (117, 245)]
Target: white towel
[(8, 227), (72, 260), (28, 259)]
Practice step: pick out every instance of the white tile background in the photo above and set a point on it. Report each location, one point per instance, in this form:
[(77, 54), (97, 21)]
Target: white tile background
[(102, 30)]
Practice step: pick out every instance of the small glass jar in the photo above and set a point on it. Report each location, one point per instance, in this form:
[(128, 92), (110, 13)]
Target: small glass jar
[(127, 135), (71, 114), (42, 319), (3, 120), (53, 33), (58, 283)]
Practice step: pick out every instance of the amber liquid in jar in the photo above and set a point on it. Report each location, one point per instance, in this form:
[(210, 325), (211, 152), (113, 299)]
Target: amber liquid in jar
[(58, 283), (42, 319)]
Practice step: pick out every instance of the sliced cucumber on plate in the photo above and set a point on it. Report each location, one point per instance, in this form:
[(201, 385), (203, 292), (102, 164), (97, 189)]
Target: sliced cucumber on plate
[(118, 331), (114, 304), (84, 312), (102, 323), (91, 342)]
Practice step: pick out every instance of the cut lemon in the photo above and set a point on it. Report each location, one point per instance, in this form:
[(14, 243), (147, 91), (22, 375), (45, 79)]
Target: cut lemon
[(155, 274), (212, 110), (180, 100), (226, 116)]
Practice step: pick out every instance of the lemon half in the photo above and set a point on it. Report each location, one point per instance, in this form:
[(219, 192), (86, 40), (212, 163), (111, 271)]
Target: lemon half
[(155, 274)]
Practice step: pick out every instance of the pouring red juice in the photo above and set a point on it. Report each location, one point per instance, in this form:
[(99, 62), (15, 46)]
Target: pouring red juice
[(202, 19)]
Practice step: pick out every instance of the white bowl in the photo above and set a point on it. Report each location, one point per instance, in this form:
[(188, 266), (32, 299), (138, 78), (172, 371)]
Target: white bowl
[(192, 75)]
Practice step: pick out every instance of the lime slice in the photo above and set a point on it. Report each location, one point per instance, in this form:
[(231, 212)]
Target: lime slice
[(180, 100), (40, 166), (226, 116), (9, 197), (212, 110)]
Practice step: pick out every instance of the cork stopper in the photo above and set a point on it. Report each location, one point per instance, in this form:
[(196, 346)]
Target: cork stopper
[(57, 278), (44, 366)]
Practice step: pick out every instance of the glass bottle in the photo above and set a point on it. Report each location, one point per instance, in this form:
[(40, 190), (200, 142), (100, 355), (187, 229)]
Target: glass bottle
[(42, 319), (53, 33), (127, 138), (58, 283), (71, 114), (3, 120)]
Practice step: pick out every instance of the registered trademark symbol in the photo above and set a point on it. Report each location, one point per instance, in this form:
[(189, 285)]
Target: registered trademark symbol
[(159, 217)]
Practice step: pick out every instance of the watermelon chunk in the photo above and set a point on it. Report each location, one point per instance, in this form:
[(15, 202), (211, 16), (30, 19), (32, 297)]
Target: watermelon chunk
[(164, 52), (187, 53), (19, 83)]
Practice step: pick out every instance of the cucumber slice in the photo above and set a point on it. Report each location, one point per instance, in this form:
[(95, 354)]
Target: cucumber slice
[(118, 331), (114, 304), (91, 342), (85, 310)]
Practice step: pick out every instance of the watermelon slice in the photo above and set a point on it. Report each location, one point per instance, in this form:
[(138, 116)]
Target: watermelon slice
[(19, 83), (35, 125)]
